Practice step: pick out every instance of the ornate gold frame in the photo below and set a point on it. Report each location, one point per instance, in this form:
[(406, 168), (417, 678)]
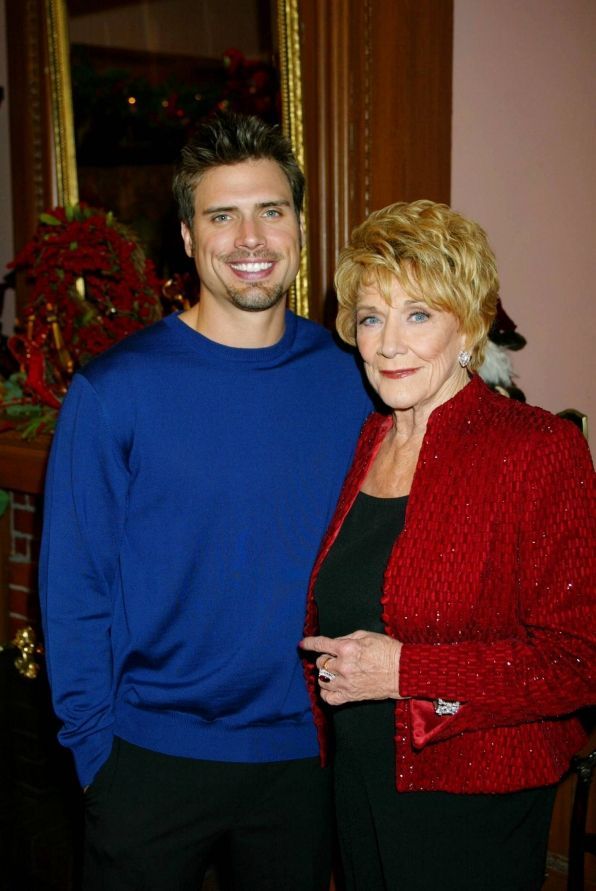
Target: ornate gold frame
[(67, 191), (67, 187), (288, 22)]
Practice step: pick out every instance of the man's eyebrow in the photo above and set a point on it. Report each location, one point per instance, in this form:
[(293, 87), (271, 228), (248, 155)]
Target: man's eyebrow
[(221, 209), (279, 202)]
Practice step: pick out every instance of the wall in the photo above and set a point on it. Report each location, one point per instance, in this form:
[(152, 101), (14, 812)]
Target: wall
[(524, 143), (523, 152), (21, 566)]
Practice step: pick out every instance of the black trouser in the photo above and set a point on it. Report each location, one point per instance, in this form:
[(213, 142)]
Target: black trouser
[(154, 821), (422, 841)]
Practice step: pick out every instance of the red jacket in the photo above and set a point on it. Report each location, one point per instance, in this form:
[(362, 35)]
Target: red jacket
[(490, 587)]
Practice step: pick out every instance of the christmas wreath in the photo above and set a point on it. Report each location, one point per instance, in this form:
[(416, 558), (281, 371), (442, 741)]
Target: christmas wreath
[(90, 286)]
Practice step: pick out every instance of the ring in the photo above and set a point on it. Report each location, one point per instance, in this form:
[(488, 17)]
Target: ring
[(325, 675)]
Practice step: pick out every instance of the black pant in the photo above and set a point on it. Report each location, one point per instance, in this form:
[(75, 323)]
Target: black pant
[(154, 821), (422, 841)]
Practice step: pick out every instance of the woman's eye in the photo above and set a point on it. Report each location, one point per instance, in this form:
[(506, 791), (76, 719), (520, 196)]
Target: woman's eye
[(367, 321), (419, 316)]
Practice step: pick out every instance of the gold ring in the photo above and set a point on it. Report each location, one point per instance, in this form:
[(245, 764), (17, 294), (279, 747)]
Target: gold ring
[(326, 662)]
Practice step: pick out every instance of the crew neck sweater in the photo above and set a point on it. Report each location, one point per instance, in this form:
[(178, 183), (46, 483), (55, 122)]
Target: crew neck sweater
[(188, 489)]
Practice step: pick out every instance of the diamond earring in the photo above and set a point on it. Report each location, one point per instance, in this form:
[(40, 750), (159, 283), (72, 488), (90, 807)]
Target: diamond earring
[(464, 358)]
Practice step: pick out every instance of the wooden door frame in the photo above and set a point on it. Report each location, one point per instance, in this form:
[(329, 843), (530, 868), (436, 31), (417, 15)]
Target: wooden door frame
[(376, 92)]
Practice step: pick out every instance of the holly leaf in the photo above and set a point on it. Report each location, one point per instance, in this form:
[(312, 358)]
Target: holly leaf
[(50, 220)]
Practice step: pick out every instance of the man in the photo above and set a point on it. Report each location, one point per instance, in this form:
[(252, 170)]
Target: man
[(193, 472)]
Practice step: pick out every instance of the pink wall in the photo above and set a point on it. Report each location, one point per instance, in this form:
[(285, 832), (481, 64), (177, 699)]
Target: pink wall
[(524, 166)]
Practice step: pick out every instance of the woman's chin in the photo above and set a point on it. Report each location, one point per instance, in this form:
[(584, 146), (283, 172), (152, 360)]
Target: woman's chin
[(398, 399)]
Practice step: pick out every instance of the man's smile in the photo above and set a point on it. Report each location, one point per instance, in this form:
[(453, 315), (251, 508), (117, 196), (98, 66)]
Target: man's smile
[(258, 268)]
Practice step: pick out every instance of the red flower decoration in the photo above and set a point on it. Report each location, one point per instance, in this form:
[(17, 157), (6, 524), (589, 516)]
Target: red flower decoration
[(90, 286)]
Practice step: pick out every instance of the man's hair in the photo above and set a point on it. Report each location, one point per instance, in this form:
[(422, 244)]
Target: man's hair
[(437, 256), (231, 138)]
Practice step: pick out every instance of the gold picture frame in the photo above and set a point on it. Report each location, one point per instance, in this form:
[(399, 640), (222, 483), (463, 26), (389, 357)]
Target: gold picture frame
[(64, 152)]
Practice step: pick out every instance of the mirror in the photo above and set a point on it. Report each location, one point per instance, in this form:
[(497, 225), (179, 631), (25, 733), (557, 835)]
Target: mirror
[(130, 79)]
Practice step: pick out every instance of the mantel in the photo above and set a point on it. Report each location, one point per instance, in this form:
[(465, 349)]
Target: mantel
[(23, 462)]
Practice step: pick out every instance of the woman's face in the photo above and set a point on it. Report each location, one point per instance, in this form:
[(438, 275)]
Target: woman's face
[(410, 351)]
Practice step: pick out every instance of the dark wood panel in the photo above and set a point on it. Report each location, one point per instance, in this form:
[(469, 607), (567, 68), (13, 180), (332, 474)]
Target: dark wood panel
[(30, 123), (410, 126), (325, 35), (377, 80), (87, 7)]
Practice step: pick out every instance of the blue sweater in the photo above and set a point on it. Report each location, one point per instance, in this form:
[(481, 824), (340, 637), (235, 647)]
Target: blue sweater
[(188, 489)]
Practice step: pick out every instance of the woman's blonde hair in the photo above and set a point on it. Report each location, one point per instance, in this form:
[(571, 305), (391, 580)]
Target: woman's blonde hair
[(437, 256)]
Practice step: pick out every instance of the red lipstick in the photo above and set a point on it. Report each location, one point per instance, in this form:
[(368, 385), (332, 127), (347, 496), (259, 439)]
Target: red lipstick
[(397, 375)]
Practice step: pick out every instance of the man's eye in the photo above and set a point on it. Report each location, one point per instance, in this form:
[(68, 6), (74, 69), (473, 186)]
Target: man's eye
[(272, 212), (220, 218)]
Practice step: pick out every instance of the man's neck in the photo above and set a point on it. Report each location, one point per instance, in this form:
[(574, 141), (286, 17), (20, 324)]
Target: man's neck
[(234, 327)]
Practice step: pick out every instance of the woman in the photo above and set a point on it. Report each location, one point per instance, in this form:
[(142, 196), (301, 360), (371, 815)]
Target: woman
[(451, 599)]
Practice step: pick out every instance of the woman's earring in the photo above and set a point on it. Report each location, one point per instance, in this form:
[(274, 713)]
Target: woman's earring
[(464, 358)]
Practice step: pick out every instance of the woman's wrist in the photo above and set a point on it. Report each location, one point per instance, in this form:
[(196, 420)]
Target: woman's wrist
[(398, 648)]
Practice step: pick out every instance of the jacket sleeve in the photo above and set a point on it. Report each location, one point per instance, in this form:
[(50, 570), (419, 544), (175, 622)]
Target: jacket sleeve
[(84, 506), (549, 669)]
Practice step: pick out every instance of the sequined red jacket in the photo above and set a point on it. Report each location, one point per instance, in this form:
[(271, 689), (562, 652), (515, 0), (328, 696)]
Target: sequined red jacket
[(490, 587)]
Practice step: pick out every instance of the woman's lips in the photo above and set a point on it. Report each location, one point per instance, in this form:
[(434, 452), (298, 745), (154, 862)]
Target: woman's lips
[(396, 375)]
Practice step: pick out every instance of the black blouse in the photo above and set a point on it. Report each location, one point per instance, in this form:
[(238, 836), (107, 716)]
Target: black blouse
[(348, 597)]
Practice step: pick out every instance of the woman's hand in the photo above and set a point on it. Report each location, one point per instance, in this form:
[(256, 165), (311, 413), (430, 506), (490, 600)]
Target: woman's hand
[(364, 665)]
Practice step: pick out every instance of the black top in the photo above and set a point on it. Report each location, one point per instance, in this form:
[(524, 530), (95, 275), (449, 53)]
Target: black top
[(348, 594), (392, 840)]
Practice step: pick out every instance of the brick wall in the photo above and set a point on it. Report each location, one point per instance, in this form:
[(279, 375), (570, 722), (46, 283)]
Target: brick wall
[(40, 800), (21, 570)]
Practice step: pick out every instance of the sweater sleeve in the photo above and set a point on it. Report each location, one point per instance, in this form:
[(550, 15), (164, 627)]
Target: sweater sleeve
[(85, 498), (549, 669)]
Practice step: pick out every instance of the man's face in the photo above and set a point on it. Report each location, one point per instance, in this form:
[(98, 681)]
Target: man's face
[(245, 236)]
